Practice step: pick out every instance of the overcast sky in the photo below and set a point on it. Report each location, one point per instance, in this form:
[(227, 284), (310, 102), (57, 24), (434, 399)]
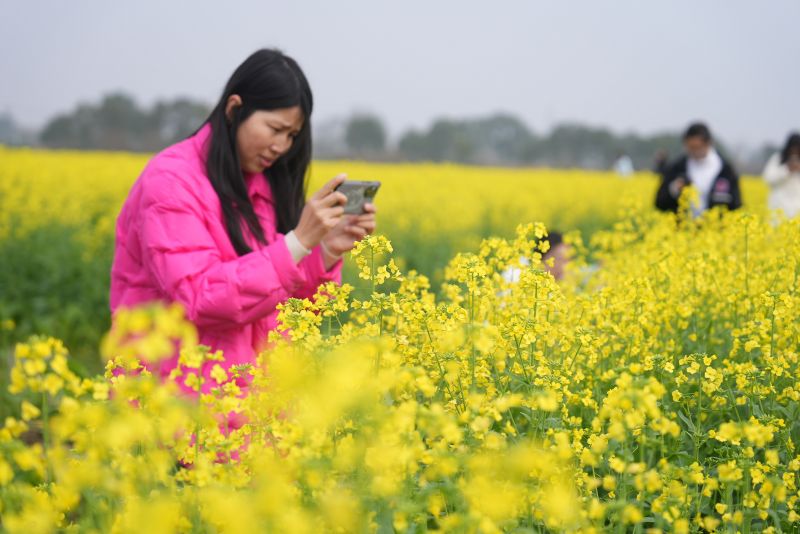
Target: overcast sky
[(630, 65)]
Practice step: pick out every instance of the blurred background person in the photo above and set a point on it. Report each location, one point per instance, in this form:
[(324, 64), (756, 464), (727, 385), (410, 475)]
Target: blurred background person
[(660, 161), (701, 166), (623, 165), (782, 174), (554, 261)]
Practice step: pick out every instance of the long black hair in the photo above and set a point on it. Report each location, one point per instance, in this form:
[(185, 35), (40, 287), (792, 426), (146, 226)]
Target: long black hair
[(266, 80), (792, 145)]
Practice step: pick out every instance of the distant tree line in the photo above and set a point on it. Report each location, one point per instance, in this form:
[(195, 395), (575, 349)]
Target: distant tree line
[(13, 134), (118, 122), (502, 139)]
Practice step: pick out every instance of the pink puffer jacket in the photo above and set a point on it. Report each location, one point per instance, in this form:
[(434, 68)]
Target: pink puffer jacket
[(172, 246)]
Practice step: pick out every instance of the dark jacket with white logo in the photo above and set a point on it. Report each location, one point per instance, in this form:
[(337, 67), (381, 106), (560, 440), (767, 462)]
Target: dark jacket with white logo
[(724, 190)]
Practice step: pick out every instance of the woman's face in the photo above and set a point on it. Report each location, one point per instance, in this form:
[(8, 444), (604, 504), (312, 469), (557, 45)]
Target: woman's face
[(696, 147), (267, 135), (793, 160), (560, 255)]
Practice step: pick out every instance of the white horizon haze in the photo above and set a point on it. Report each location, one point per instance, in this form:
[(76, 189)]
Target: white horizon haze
[(627, 65)]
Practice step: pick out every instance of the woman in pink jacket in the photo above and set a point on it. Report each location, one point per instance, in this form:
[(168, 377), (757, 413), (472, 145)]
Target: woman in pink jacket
[(219, 222)]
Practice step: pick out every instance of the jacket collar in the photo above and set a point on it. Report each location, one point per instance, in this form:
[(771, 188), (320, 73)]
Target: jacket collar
[(258, 186)]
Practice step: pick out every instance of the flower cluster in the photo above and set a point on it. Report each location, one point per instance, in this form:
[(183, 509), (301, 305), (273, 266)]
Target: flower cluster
[(655, 389)]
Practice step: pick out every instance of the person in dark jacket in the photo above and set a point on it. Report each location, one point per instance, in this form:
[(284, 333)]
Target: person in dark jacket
[(703, 167)]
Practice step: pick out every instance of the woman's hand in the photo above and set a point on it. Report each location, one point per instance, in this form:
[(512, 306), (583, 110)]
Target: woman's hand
[(676, 187), (343, 236), (322, 213)]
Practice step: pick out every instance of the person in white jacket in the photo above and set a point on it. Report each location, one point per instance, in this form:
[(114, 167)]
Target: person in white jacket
[(782, 174)]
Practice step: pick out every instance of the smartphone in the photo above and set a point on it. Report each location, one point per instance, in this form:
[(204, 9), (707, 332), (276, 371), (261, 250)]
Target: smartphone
[(358, 193)]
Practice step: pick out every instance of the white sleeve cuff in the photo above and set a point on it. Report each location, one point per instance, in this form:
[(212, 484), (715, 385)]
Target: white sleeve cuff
[(296, 249)]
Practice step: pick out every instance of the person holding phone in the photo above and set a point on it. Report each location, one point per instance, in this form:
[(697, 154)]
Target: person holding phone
[(702, 166), (782, 174), (219, 222)]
